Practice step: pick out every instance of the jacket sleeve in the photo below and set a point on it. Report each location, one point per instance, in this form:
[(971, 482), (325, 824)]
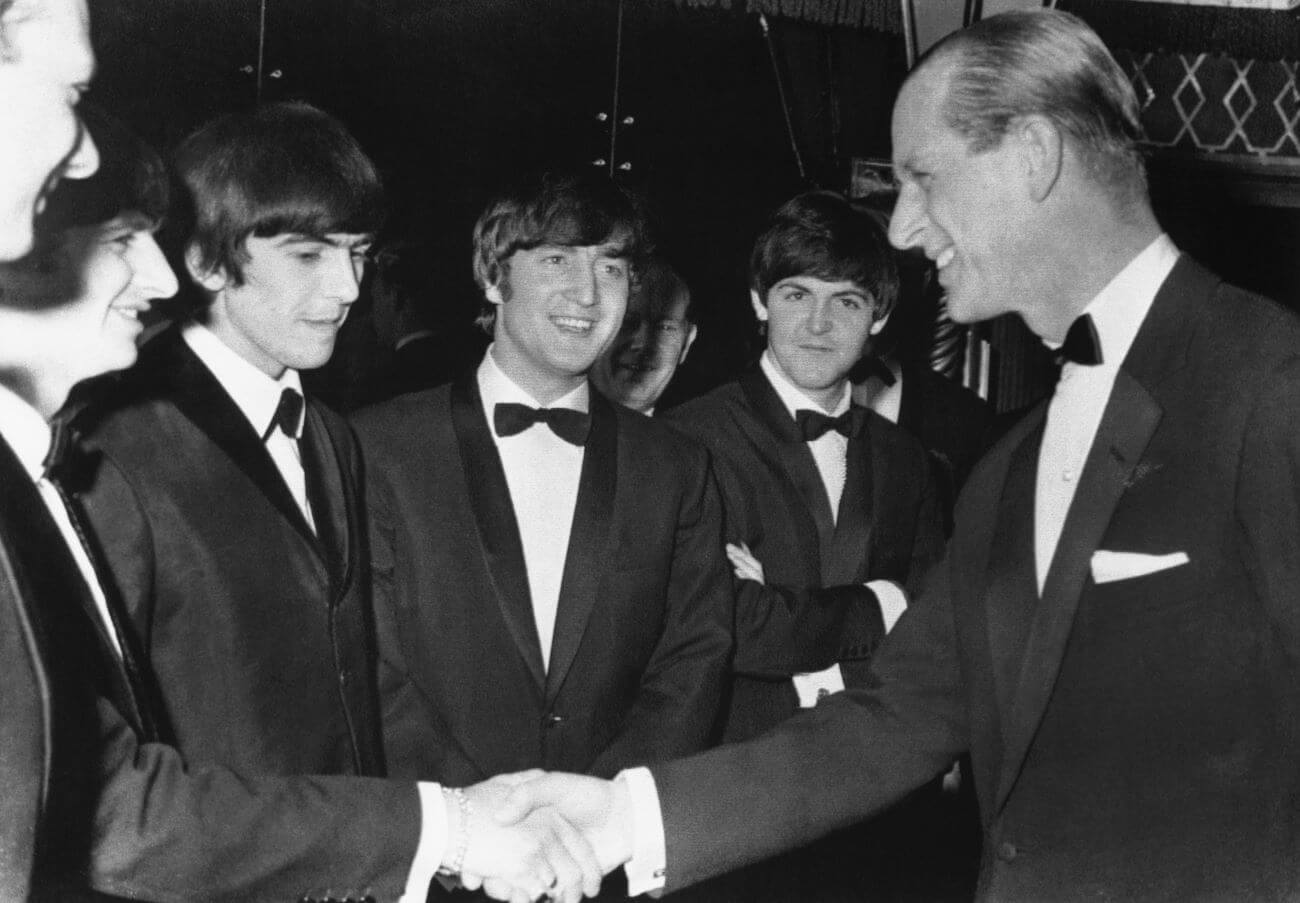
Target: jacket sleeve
[(165, 832)]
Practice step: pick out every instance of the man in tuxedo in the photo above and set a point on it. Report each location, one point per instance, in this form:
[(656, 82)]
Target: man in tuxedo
[(134, 806), (549, 588), (47, 59), (831, 511), (1115, 634), (657, 333)]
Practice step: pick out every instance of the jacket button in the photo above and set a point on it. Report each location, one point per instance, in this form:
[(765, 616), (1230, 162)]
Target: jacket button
[(1007, 851), (553, 720)]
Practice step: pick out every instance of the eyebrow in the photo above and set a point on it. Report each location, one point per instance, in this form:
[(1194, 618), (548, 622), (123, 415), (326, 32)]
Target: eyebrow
[(298, 238)]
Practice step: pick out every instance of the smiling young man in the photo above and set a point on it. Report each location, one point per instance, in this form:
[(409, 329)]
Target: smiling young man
[(830, 509), (548, 584)]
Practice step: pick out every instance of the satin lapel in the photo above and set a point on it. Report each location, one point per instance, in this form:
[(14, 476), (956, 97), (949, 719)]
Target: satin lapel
[(64, 615), (794, 457), (332, 497), (1011, 590), (199, 396), (1126, 427), (590, 541), (494, 515), (861, 507)]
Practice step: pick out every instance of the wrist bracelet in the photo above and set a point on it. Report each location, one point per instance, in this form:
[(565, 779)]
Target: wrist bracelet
[(465, 809)]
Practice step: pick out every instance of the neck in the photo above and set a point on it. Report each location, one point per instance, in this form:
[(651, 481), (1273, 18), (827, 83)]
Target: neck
[(45, 395), (1086, 258)]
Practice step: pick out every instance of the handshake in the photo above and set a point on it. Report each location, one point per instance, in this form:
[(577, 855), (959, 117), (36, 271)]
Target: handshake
[(524, 836)]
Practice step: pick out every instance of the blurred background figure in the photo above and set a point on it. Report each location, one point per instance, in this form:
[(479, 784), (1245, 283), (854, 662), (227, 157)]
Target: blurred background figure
[(421, 340), (657, 333)]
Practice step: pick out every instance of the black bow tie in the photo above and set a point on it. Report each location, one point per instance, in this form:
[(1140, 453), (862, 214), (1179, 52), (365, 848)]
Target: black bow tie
[(570, 425), (814, 424), (66, 463), (288, 415), (1082, 346)]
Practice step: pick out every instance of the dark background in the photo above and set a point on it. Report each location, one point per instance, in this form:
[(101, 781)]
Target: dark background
[(453, 97)]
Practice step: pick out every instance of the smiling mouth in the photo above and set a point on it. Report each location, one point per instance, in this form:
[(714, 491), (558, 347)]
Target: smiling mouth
[(575, 325), (131, 313)]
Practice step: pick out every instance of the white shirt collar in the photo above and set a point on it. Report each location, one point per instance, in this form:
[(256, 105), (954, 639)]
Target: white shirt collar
[(791, 396), (255, 393), (26, 432), (1118, 310), (495, 387)]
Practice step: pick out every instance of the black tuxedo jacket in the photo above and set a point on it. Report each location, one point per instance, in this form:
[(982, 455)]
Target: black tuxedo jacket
[(642, 637), (1131, 740), (257, 629), (814, 609), (92, 800)]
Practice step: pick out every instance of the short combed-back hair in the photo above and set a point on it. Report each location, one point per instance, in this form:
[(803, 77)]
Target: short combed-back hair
[(282, 168), (821, 234), (565, 209), (131, 178), (1044, 63)]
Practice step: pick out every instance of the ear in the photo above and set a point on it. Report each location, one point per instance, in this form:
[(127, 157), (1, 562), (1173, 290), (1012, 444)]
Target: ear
[(212, 280), (760, 309), (880, 324), (1042, 152), (686, 346), (493, 294)]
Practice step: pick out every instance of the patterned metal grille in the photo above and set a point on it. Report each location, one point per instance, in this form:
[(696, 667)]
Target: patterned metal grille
[(1216, 104)]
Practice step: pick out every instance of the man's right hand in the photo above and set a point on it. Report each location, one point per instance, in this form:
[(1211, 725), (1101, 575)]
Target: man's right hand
[(600, 809), (525, 857)]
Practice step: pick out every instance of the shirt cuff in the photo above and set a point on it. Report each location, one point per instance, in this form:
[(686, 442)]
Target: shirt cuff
[(433, 843), (645, 870), (892, 599), (814, 686)]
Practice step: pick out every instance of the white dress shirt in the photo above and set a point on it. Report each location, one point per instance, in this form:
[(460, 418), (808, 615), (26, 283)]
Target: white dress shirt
[(257, 396), (542, 472), (1082, 392), (1073, 417)]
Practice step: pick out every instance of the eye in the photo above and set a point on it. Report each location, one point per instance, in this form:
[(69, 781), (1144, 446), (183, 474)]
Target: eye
[(852, 302), (553, 259), (119, 241), (668, 326), (308, 256), (793, 294), (614, 268)]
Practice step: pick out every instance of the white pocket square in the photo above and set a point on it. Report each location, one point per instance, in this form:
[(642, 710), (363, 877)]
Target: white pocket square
[(1108, 567)]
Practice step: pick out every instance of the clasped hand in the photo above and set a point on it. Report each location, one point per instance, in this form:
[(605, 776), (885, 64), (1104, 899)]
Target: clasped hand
[(534, 835)]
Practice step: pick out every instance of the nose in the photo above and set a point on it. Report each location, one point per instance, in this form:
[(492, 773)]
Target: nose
[(343, 276), (84, 159), (584, 287), (153, 277), (907, 222), (819, 321)]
